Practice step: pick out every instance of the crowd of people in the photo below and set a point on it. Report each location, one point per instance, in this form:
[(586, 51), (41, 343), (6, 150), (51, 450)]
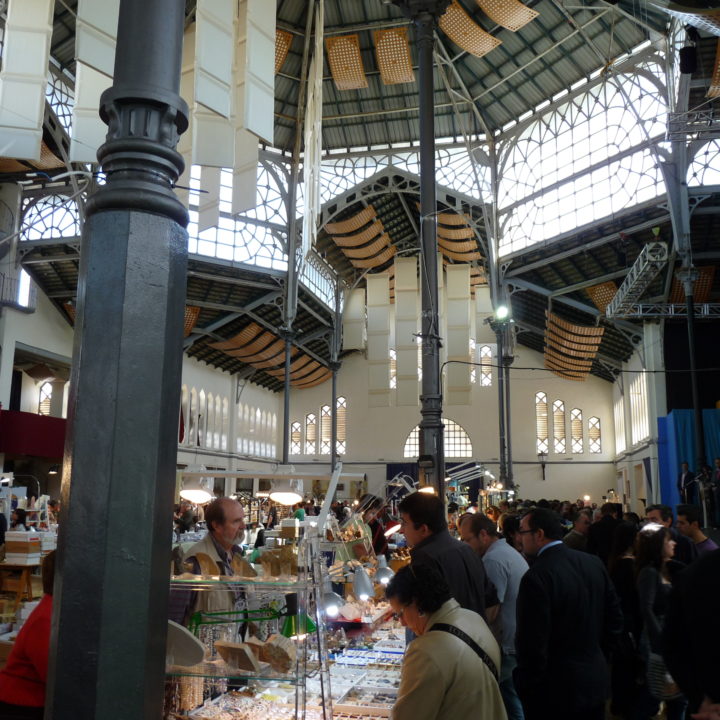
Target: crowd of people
[(595, 605)]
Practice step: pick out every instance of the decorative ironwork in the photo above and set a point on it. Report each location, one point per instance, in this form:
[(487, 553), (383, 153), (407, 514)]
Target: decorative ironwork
[(51, 216), (584, 159)]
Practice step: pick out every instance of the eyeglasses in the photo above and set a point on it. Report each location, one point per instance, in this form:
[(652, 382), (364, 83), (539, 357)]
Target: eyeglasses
[(399, 614), (525, 532)]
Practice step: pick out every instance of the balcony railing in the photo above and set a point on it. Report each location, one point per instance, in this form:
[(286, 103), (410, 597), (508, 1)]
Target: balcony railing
[(18, 292)]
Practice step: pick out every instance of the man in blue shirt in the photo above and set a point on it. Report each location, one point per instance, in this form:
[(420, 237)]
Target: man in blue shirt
[(505, 567)]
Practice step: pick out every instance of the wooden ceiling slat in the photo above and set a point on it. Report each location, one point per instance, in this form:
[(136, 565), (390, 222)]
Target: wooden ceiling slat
[(368, 250), (353, 241), (376, 261), (458, 233), (461, 257), (467, 246), (246, 335), (353, 223)]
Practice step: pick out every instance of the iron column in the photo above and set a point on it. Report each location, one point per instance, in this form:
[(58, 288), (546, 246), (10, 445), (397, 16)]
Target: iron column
[(424, 14), (688, 276), (107, 657)]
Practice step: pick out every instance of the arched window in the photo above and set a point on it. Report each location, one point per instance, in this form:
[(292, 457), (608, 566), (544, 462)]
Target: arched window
[(210, 421), (184, 416), (619, 415), (456, 440), (295, 439), (594, 438), (202, 418), (576, 431), (310, 434), (639, 423), (218, 423), (393, 368), (472, 351), (45, 398), (325, 430), (485, 366), (273, 431), (559, 426), (341, 410), (541, 422), (225, 424), (193, 418)]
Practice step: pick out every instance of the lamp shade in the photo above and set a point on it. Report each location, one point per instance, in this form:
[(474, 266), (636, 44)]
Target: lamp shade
[(296, 624), (286, 492), (362, 586), (332, 603), (196, 490)]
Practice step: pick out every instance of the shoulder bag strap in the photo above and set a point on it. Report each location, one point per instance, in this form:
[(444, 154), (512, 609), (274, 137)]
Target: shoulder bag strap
[(458, 633)]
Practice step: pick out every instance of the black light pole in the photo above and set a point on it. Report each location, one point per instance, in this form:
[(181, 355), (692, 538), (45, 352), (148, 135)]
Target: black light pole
[(107, 657), (498, 328), (424, 14), (688, 276)]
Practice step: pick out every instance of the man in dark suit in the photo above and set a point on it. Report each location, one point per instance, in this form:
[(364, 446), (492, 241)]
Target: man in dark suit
[(600, 534), (692, 631), (424, 524), (686, 485), (685, 551), (566, 609)]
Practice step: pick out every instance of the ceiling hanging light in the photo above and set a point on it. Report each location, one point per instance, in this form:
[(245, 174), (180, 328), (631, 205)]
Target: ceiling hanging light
[(196, 490), (286, 491)]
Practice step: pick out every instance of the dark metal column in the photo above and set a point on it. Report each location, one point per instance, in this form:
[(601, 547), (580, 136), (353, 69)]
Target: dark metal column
[(293, 245), (509, 483), (688, 276), (501, 401), (335, 348), (424, 14), (288, 334), (107, 657)]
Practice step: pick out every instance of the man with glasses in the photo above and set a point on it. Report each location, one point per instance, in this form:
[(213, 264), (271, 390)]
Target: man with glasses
[(424, 524), (566, 609)]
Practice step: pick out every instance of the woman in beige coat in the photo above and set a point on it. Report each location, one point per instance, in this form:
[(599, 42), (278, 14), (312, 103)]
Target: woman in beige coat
[(450, 668)]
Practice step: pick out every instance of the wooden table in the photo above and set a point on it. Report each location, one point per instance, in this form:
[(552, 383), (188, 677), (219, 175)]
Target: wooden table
[(17, 579)]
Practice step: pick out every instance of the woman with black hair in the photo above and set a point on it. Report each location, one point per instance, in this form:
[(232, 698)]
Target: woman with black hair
[(654, 549), (18, 518), (451, 668)]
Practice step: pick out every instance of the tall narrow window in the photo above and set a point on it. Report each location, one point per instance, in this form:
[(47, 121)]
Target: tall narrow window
[(341, 410), (45, 398), (325, 430), (559, 426), (419, 344), (619, 416), (485, 366), (295, 439), (393, 368), (541, 422), (310, 434), (594, 439), (640, 424), (472, 352), (576, 431)]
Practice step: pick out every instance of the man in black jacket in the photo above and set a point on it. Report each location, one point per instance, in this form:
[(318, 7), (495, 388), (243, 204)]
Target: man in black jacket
[(566, 610), (600, 534), (685, 551), (424, 524)]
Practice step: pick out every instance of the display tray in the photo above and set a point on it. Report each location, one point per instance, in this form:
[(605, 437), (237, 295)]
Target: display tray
[(218, 669), (207, 582)]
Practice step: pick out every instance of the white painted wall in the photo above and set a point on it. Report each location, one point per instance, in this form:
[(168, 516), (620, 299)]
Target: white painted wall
[(378, 435), (45, 329)]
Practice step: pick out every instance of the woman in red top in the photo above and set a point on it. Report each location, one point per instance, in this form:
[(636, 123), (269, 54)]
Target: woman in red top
[(22, 680)]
